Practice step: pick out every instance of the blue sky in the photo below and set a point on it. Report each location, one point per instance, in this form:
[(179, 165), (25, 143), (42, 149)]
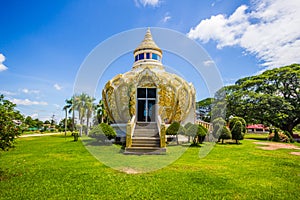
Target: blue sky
[(43, 43)]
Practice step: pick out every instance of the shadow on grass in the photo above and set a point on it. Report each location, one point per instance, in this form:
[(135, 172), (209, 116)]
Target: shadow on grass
[(5, 175), (229, 143), (98, 143)]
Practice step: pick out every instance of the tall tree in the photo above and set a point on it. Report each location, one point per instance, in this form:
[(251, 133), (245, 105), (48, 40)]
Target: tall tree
[(70, 107), (89, 107), (8, 128), (272, 97), (79, 101), (65, 108)]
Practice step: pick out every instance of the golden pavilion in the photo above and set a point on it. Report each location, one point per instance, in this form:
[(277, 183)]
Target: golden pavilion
[(146, 98)]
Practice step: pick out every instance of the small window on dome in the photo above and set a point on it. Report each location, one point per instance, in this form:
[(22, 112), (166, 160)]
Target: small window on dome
[(147, 55), (136, 58), (154, 56), (141, 56)]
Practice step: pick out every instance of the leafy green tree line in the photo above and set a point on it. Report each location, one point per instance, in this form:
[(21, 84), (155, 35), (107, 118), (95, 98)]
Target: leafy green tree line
[(271, 98)]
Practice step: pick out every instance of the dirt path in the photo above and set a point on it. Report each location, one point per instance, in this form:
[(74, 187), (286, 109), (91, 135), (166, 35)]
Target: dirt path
[(275, 146), (38, 134)]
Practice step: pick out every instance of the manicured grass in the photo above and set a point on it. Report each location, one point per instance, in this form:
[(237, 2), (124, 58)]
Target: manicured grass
[(256, 136), (52, 167)]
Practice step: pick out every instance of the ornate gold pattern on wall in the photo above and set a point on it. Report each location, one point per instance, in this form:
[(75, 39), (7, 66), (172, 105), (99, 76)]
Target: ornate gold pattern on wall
[(174, 94)]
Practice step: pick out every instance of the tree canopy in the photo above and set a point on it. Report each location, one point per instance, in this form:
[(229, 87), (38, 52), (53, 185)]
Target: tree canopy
[(271, 98), (8, 128)]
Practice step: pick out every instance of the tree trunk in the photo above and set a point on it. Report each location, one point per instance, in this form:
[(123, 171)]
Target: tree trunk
[(87, 125), (81, 123), (237, 141), (222, 141), (66, 121), (73, 120), (177, 139)]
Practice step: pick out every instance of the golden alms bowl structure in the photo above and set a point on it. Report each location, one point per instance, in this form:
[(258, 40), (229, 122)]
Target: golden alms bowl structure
[(147, 91)]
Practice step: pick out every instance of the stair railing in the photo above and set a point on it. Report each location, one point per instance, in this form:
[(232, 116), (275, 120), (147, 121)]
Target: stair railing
[(162, 132), (130, 130)]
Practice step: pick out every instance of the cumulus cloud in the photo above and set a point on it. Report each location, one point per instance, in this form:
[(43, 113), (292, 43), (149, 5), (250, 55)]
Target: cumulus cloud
[(268, 29), (145, 3), (57, 87), (27, 102), (2, 66)]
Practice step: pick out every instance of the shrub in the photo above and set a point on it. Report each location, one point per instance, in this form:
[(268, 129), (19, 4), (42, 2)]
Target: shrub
[(237, 131), (198, 133), (218, 125), (186, 126), (173, 129), (282, 137), (76, 135), (237, 126), (276, 137), (225, 134), (181, 130), (233, 120), (291, 139), (102, 131)]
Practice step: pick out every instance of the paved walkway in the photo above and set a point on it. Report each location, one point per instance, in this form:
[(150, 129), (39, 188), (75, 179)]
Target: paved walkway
[(38, 134)]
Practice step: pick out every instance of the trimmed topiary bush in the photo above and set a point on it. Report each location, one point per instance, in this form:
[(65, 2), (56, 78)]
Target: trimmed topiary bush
[(102, 131), (197, 132), (181, 130), (186, 126), (202, 131), (237, 126), (225, 134), (237, 131), (218, 125), (173, 129), (233, 120)]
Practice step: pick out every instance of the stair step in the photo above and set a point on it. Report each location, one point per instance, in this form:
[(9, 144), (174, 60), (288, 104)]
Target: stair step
[(145, 145), (144, 150), (141, 125)]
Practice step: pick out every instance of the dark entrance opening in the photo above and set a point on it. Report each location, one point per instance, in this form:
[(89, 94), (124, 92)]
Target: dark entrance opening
[(146, 100)]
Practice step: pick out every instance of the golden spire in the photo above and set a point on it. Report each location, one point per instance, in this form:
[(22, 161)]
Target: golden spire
[(148, 43)]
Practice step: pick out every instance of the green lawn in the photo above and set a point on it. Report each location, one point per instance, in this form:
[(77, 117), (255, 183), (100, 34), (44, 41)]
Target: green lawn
[(52, 167)]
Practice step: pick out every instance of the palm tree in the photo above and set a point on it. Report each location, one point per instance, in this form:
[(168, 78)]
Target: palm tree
[(70, 105), (79, 101), (101, 112), (65, 108), (89, 107)]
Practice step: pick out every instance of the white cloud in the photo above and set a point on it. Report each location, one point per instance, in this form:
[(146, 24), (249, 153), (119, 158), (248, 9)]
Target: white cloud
[(34, 115), (7, 93), (145, 3), (57, 87), (167, 17), (268, 29), (2, 66), (27, 102), (208, 63), (27, 91)]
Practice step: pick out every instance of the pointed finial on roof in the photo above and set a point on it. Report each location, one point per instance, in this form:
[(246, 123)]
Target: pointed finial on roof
[(148, 43)]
